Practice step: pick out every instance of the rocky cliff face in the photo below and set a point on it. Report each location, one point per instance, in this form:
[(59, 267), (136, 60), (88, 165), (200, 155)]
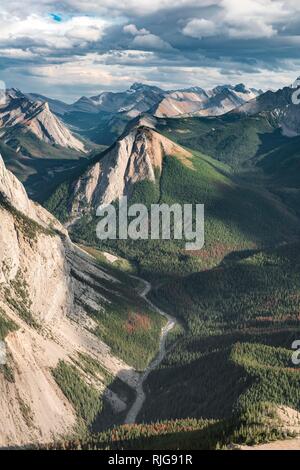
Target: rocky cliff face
[(36, 117), (13, 193), (135, 157), (47, 286)]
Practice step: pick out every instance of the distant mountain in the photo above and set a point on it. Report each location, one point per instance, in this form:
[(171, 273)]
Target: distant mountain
[(137, 99), (277, 105), (36, 146), (103, 118), (58, 107), (196, 101), (23, 115)]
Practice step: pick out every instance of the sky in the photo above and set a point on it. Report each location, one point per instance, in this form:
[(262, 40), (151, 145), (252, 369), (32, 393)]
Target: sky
[(69, 48)]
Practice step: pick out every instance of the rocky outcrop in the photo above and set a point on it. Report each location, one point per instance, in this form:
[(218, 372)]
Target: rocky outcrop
[(13, 193), (47, 287), (35, 116), (135, 157)]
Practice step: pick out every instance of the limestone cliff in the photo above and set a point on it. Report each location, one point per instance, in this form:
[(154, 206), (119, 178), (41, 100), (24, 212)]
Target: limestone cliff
[(47, 286), (135, 157)]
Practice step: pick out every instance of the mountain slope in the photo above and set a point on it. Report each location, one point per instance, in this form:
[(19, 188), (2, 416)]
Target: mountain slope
[(36, 145), (151, 168), (240, 321), (134, 158), (34, 117), (56, 308), (56, 106), (279, 105), (39, 166)]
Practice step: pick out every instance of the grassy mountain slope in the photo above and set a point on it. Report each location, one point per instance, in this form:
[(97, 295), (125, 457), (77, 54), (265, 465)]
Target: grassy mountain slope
[(253, 146), (237, 217), (242, 142), (239, 322), (233, 140), (230, 362), (127, 324)]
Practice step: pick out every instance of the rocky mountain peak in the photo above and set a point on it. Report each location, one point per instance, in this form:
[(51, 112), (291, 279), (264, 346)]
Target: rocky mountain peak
[(136, 156), (144, 87), (241, 88), (36, 117)]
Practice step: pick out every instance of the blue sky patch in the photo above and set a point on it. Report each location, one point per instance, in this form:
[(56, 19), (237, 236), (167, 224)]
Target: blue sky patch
[(56, 17)]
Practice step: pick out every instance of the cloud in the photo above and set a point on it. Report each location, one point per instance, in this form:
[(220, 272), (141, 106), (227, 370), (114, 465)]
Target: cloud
[(136, 7), (134, 31), (247, 19), (145, 40), (252, 18), (150, 42), (256, 29), (199, 28), (44, 31), (17, 53), (47, 45)]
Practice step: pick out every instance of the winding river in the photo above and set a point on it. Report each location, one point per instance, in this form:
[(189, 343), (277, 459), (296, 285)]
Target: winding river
[(171, 322)]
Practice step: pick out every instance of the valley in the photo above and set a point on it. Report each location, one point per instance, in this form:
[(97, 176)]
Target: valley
[(140, 394), (148, 345)]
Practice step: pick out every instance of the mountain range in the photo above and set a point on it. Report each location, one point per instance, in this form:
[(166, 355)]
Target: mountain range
[(103, 118), (42, 138), (83, 319)]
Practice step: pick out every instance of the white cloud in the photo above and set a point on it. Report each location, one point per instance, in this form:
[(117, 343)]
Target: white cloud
[(88, 73), (245, 19), (254, 29), (45, 32), (134, 31), (249, 19), (127, 57), (150, 41), (144, 39), (17, 53), (137, 7), (200, 28)]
